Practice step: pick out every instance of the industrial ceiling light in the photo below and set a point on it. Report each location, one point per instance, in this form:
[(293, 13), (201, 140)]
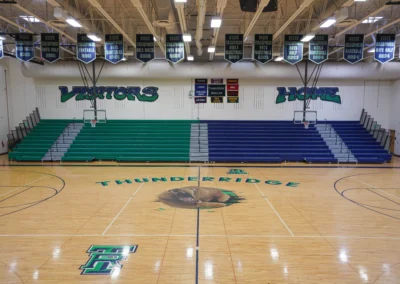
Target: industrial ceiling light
[(307, 37), (372, 50), (279, 58), (187, 37), (72, 22), (124, 58), (31, 19), (2, 38), (190, 58), (211, 49), (94, 37), (216, 22), (371, 20), (155, 39), (329, 22)]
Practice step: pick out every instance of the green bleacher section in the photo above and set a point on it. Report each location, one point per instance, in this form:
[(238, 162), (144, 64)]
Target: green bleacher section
[(131, 141), (36, 144)]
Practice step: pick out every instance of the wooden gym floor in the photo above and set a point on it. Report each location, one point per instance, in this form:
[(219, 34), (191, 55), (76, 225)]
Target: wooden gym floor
[(60, 224)]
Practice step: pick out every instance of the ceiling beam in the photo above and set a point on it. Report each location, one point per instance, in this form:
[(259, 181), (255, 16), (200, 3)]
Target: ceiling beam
[(257, 14)]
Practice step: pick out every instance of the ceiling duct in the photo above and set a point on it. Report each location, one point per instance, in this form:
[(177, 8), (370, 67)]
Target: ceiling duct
[(166, 17), (201, 9)]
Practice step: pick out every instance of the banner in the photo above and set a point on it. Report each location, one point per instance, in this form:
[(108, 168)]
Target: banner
[(1, 49), (24, 46), (262, 48), (50, 47), (217, 81), (234, 100), (293, 49), (175, 48), (200, 90), (200, 100), (144, 47), (234, 47), (85, 49), (217, 100), (217, 90), (318, 51), (385, 47), (233, 90), (114, 48), (353, 48), (201, 81)]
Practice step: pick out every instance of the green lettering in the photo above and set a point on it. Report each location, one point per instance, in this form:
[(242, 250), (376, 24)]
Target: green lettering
[(122, 181), (238, 179), (104, 183), (293, 184), (177, 179), (252, 180), (273, 182), (158, 179), (226, 179), (144, 180), (192, 179), (208, 178)]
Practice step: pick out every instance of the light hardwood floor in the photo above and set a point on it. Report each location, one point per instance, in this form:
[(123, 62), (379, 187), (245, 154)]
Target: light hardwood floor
[(306, 225)]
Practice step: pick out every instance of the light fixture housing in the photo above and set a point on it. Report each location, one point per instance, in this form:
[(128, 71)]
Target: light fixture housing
[(216, 22), (190, 58), (307, 37), (372, 50), (154, 38), (211, 49), (93, 37), (187, 37), (72, 22), (279, 58), (30, 19), (327, 23), (124, 58), (371, 20)]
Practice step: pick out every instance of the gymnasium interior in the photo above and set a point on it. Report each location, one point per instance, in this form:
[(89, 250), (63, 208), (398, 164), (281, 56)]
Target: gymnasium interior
[(199, 141)]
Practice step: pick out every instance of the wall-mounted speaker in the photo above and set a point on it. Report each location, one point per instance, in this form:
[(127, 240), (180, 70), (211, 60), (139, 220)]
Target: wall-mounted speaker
[(252, 5)]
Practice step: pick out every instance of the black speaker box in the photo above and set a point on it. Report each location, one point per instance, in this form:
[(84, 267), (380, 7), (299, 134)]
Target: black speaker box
[(251, 5)]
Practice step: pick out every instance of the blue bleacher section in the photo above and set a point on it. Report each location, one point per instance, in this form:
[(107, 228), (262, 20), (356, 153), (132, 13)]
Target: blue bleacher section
[(360, 142), (265, 141)]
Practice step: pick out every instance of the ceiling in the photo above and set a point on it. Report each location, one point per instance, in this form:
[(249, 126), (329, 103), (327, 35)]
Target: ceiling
[(131, 17)]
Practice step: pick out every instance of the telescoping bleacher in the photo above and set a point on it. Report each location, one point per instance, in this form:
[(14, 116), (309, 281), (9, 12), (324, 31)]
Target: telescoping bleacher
[(175, 141)]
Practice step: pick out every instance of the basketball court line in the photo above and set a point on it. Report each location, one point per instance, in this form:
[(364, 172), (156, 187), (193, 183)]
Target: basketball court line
[(126, 204), (375, 188), (194, 235), (266, 199), (24, 185)]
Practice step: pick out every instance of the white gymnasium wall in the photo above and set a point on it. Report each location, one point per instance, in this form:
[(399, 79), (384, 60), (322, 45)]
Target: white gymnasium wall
[(395, 115), (3, 108), (257, 99)]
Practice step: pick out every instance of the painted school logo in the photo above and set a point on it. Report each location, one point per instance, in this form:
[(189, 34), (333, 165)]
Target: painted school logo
[(192, 197), (105, 259), (328, 94), (148, 94)]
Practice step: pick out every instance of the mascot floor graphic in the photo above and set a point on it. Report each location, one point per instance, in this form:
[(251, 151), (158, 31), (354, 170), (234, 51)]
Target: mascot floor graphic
[(193, 197)]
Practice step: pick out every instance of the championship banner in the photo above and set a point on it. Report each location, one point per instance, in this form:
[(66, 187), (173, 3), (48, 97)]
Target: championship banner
[(234, 100), (217, 90), (293, 49), (85, 49), (385, 47), (144, 47), (262, 48), (234, 47), (114, 48), (50, 47), (175, 48), (200, 90), (217, 100), (353, 48), (1, 49), (318, 51), (24, 46), (232, 81), (200, 100), (201, 81)]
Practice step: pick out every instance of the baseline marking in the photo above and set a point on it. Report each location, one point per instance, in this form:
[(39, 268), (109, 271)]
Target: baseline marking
[(375, 188), (266, 199), (24, 185), (126, 204)]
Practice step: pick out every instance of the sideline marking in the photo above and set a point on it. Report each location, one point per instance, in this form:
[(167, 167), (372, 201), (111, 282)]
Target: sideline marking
[(119, 213), (375, 188), (24, 185), (266, 199)]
